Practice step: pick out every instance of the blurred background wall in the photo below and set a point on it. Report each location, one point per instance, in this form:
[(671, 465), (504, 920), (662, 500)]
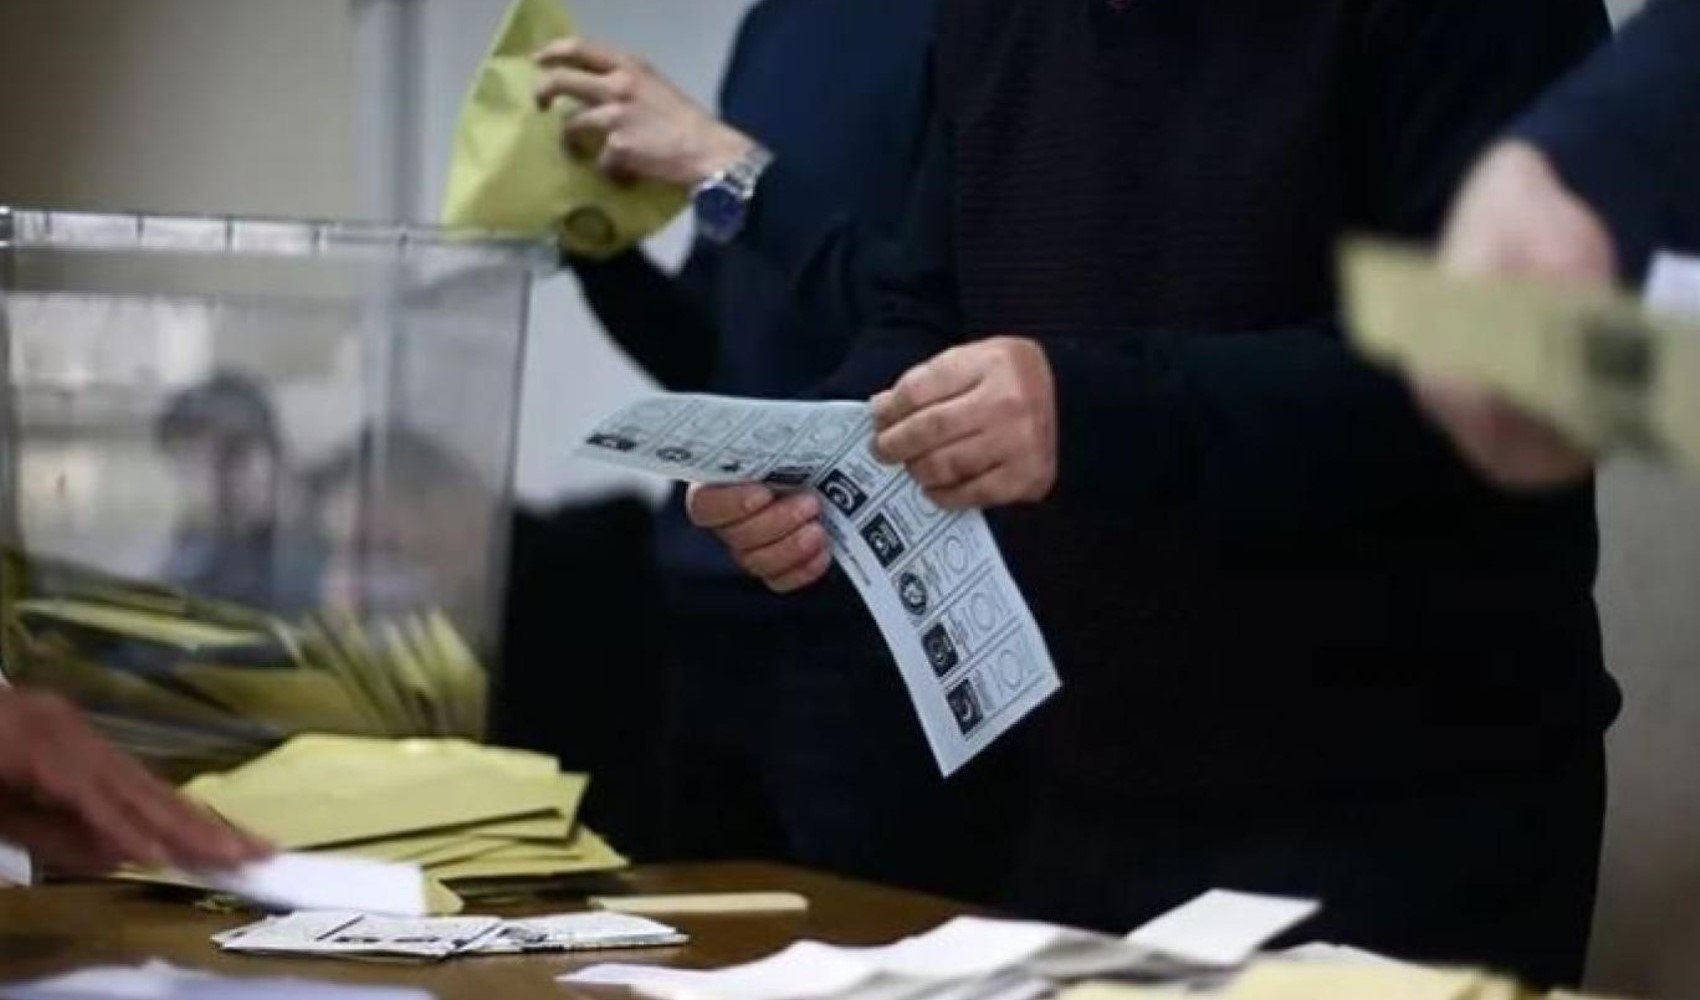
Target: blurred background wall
[(344, 107)]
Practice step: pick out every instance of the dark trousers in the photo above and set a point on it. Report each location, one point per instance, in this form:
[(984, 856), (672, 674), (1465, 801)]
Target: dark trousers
[(791, 737), (1497, 872)]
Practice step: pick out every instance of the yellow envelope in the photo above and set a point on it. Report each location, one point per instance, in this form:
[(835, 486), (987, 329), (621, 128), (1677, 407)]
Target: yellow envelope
[(318, 791), (1277, 980), (510, 173), (296, 700)]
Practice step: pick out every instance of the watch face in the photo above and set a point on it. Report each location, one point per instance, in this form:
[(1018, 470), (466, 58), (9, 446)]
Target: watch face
[(719, 211)]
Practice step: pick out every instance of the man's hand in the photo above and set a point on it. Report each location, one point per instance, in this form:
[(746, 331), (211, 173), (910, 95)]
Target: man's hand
[(976, 426), (1515, 217), (633, 119), (776, 538), (80, 805)]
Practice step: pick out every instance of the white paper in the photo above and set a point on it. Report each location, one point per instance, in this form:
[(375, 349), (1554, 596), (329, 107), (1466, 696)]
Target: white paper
[(15, 865), (300, 881), (1339, 954), (160, 981), (967, 957), (1673, 284), (969, 651), (1222, 928)]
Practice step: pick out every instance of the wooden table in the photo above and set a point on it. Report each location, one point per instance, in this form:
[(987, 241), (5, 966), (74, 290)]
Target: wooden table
[(54, 929)]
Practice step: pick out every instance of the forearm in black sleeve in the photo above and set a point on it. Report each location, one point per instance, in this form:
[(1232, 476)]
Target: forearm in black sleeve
[(1289, 425), (661, 320), (914, 298), (1624, 132)]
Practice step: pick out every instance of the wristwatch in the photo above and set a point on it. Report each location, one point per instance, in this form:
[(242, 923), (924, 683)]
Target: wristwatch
[(722, 203)]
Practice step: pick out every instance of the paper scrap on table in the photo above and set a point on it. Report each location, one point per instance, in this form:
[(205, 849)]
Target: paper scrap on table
[(1222, 928), (333, 934), (295, 881), (969, 651), (1214, 932), (160, 981), (510, 172)]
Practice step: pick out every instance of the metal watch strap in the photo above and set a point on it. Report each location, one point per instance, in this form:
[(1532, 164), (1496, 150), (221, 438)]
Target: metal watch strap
[(744, 175)]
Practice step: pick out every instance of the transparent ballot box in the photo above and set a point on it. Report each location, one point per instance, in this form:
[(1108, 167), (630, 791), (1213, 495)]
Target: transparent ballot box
[(256, 475)]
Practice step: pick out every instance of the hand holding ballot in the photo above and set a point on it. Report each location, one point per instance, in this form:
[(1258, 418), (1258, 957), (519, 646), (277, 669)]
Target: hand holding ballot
[(81, 805), (976, 426), (1515, 217), (634, 122)]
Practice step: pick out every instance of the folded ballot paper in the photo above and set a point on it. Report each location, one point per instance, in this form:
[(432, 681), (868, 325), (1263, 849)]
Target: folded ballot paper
[(510, 173), (475, 820), (355, 935), (973, 958), (159, 981), (970, 653), (1612, 373)]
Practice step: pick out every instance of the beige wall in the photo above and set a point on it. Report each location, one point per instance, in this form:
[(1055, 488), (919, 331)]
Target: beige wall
[(238, 106)]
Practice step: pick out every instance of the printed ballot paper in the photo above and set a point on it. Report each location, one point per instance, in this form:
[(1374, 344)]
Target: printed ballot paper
[(964, 640), (332, 934)]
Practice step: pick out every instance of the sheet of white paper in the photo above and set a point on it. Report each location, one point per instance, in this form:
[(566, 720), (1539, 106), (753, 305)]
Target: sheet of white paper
[(15, 865), (299, 881), (1222, 928), (1673, 284), (968, 649), (160, 981)]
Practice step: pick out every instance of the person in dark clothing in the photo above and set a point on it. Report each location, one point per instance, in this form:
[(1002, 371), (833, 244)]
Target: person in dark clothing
[(1303, 648), (1601, 173), (790, 729)]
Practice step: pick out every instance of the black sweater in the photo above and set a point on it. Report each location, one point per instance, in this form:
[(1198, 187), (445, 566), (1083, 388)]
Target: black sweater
[(838, 89), (1625, 132), (1262, 571)]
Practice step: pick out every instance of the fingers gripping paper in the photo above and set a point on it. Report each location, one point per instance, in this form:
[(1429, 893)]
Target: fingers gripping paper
[(510, 173), (964, 640)]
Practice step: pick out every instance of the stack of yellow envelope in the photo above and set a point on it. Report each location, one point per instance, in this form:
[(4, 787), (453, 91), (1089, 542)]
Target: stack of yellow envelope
[(473, 817), (192, 685), (1287, 980)]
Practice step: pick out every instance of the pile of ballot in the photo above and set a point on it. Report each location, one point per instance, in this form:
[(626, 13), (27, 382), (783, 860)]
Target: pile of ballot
[(479, 821), (191, 685), (1610, 372)]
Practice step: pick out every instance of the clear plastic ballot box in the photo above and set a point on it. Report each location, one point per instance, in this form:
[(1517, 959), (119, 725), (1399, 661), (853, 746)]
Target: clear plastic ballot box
[(256, 474)]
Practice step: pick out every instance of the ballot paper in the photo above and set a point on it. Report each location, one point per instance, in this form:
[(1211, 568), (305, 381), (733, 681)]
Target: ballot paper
[(579, 932), (969, 651), (324, 882), (430, 938), (332, 933), (972, 953), (1673, 285), (160, 981), (1222, 928)]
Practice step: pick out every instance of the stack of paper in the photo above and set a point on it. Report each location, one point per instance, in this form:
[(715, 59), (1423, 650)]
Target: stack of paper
[(1606, 370), (972, 958), (476, 819), (355, 935), (191, 685), (1350, 980)]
